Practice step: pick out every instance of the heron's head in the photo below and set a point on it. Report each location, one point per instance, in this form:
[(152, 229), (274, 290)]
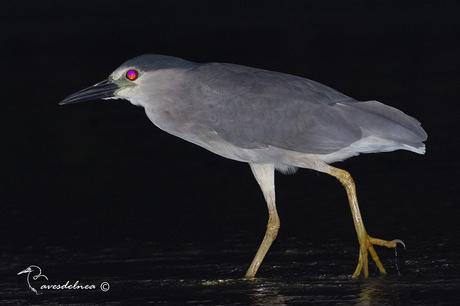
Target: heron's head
[(136, 80), (30, 269)]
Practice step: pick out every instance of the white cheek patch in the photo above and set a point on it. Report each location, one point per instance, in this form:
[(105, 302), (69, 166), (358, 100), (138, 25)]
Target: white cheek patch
[(125, 92), (112, 98), (128, 93)]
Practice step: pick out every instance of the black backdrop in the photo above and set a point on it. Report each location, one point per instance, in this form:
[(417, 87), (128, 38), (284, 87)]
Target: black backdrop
[(94, 174)]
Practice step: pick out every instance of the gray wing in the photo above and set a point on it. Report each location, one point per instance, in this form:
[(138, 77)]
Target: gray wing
[(254, 108)]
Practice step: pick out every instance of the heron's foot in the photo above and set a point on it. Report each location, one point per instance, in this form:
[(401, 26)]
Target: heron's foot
[(367, 247)]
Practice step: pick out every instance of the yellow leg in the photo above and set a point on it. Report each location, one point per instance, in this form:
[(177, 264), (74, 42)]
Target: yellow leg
[(270, 236), (365, 241), (264, 174)]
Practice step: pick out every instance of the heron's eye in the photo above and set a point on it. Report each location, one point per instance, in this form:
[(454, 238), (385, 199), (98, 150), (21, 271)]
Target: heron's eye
[(132, 74)]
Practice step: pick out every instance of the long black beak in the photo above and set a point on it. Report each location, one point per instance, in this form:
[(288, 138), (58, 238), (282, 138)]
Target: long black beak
[(101, 90)]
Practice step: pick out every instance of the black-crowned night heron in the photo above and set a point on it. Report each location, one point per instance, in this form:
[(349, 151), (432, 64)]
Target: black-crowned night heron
[(268, 119)]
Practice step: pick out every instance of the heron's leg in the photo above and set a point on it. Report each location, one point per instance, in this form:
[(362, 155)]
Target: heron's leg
[(265, 176), (366, 242)]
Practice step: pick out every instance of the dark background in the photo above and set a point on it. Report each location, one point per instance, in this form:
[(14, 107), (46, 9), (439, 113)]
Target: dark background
[(100, 175)]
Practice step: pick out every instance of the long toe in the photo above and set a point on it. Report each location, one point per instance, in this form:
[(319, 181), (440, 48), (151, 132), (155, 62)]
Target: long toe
[(366, 248)]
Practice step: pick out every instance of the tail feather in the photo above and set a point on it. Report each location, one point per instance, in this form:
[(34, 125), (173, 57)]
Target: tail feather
[(386, 122)]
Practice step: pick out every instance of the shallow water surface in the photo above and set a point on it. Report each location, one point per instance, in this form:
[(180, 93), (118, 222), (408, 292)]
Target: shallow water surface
[(295, 272)]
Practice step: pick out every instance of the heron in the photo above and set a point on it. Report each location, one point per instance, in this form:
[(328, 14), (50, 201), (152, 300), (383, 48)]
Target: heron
[(37, 271), (270, 120)]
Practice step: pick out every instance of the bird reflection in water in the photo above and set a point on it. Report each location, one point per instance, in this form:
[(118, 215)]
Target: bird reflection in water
[(372, 293)]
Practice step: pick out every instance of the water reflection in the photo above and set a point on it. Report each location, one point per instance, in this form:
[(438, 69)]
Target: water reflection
[(265, 294), (372, 292)]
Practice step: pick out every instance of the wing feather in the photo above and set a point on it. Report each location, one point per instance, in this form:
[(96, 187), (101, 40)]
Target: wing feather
[(254, 108)]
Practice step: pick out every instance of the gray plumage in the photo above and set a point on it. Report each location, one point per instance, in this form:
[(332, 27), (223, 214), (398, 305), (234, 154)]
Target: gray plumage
[(252, 108), (257, 108), (256, 115)]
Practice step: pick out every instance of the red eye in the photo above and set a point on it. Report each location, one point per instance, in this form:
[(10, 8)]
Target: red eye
[(132, 74)]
